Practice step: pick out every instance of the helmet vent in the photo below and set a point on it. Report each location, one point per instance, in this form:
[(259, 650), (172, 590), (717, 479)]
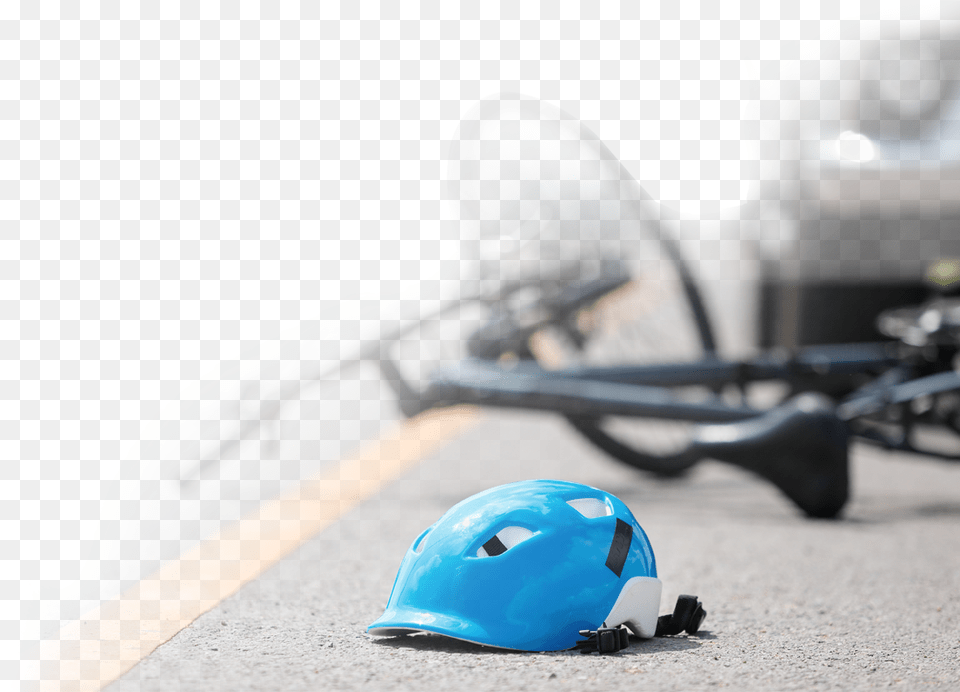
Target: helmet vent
[(591, 507), (504, 540), (418, 545)]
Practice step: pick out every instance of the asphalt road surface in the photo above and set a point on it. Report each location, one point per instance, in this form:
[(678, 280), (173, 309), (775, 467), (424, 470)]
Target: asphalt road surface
[(869, 601)]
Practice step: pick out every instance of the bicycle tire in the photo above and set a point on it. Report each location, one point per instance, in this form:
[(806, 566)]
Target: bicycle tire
[(602, 207), (675, 327), (652, 445)]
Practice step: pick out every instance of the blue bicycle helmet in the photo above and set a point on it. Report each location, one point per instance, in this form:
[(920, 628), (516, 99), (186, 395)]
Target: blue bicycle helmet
[(527, 566)]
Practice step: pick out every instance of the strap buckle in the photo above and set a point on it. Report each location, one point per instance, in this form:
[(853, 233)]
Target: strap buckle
[(604, 640)]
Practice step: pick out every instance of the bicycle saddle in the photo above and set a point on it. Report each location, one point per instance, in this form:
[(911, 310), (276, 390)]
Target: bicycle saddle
[(801, 447)]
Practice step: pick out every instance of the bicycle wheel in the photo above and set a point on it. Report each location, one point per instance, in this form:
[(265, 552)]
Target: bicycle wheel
[(541, 197), (647, 321)]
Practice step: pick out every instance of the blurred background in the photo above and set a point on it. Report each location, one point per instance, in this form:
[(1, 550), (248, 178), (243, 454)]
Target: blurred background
[(206, 205)]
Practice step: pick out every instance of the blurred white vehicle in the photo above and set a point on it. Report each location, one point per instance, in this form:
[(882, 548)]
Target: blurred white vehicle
[(876, 192)]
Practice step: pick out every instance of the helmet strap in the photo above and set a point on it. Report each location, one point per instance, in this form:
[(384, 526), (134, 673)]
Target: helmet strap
[(604, 640), (687, 616)]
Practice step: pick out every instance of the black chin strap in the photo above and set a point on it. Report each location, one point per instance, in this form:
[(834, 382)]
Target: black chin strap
[(605, 640), (687, 616)]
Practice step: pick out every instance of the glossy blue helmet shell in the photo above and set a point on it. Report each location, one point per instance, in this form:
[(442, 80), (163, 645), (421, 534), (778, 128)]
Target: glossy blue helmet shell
[(526, 566)]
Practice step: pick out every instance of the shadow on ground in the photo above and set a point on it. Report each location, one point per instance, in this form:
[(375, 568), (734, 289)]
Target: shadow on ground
[(439, 643), (877, 512)]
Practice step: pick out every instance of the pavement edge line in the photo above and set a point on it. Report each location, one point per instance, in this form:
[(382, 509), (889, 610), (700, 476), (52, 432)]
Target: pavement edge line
[(99, 648)]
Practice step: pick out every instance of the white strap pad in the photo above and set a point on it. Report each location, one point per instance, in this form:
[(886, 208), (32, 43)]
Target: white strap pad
[(637, 606)]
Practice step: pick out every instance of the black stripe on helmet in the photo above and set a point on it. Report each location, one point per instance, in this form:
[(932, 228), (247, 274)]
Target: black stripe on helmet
[(619, 547)]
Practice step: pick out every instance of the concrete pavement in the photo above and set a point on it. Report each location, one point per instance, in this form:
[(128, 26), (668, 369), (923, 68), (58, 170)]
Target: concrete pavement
[(870, 601)]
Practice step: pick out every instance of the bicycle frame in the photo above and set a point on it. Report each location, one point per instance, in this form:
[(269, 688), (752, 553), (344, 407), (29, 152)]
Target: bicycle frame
[(644, 390)]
